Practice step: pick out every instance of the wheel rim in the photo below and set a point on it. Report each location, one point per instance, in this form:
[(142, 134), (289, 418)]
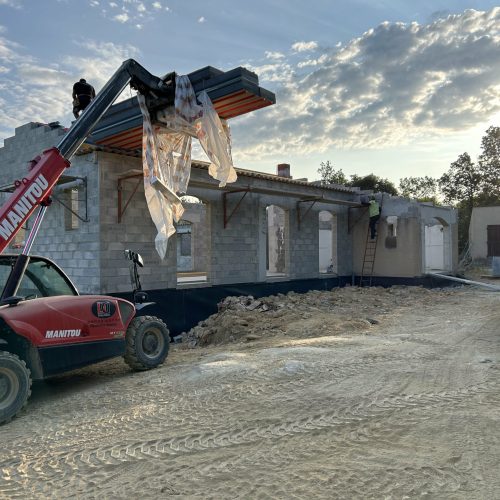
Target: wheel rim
[(9, 387), (152, 343)]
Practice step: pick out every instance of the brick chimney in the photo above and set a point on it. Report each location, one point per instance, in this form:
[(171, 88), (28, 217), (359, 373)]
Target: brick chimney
[(283, 170)]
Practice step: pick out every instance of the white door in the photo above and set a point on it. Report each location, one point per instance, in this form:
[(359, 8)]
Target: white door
[(434, 248)]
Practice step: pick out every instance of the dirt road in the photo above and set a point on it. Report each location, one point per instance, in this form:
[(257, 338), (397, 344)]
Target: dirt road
[(407, 407)]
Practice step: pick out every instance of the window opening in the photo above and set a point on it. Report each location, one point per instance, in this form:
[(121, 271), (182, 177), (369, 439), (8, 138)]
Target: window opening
[(71, 216), (327, 242), (193, 242), (19, 239), (277, 240)]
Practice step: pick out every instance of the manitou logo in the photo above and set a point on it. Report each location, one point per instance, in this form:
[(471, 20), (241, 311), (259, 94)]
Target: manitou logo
[(103, 309), (62, 334), (30, 198)]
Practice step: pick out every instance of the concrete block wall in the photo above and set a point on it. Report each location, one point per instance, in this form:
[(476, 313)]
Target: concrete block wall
[(235, 249), (28, 142), (136, 230), (76, 251), (344, 242), (304, 243), (239, 250)]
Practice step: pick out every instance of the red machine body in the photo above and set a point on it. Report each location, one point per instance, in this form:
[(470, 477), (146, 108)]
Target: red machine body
[(52, 321), (67, 332)]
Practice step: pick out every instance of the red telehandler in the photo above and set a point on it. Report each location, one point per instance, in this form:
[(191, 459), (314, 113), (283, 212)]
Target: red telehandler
[(46, 327)]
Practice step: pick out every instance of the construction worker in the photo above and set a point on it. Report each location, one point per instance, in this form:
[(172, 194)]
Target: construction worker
[(374, 213), (83, 93)]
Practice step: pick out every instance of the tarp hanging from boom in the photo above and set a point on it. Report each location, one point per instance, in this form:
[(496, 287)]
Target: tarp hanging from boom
[(166, 155)]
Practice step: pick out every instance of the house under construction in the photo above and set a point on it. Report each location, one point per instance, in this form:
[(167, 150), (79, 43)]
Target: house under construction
[(263, 234)]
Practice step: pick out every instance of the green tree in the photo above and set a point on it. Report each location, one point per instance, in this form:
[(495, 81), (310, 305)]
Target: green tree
[(420, 188), (331, 176), (489, 163), (371, 182), (463, 182), (462, 185)]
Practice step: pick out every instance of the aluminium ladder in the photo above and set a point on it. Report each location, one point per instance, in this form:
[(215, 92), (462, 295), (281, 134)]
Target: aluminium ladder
[(368, 259), (369, 255)]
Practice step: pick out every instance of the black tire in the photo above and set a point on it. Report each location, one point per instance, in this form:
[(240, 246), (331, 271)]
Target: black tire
[(147, 340), (15, 385)]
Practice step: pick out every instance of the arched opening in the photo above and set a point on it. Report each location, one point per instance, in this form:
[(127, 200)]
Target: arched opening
[(193, 241), (437, 246), (277, 242), (327, 242)]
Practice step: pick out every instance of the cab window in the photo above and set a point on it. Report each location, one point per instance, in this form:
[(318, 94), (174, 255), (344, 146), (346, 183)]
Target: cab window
[(41, 279)]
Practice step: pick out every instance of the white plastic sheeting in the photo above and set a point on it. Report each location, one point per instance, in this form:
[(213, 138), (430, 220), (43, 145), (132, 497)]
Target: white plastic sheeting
[(166, 155), (215, 141), (163, 208)]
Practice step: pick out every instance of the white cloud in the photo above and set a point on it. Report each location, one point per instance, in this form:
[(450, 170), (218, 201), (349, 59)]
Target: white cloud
[(274, 55), (395, 83), (201, 19), (121, 18), (137, 13), (313, 62), (31, 91), (9, 51), (304, 46), (16, 4), (279, 72)]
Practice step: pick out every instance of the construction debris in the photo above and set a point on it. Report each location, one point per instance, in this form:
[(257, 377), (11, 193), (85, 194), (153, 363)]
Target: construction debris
[(315, 313)]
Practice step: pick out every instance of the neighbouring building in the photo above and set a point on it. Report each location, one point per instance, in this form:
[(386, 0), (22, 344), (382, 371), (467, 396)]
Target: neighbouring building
[(484, 233)]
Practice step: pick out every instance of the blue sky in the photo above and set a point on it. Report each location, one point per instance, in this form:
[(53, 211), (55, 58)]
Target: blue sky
[(390, 87)]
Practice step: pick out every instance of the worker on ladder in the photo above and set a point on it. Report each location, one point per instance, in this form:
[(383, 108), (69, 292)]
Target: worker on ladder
[(374, 213)]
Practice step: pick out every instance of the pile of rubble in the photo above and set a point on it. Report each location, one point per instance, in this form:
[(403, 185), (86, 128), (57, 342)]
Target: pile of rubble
[(340, 310)]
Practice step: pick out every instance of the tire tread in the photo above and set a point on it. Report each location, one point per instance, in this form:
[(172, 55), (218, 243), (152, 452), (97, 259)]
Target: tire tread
[(131, 357), (6, 355)]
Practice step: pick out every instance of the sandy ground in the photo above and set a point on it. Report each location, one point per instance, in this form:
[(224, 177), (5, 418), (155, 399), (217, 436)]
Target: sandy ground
[(351, 394)]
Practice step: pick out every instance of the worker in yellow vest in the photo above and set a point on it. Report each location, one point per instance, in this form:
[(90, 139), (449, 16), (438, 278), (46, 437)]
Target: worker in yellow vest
[(374, 213)]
